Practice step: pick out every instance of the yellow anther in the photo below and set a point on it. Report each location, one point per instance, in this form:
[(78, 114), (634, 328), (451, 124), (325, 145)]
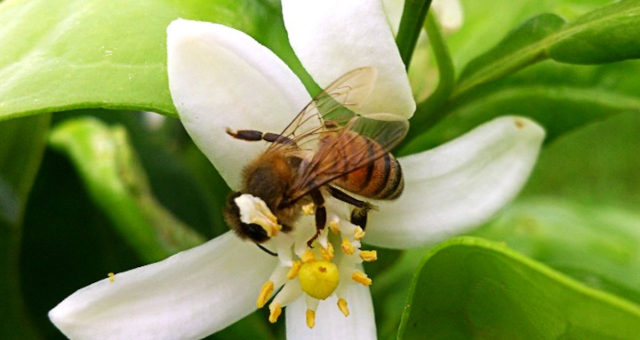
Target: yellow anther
[(334, 226), (308, 256), (275, 310), (308, 209), (361, 278), (311, 318), (358, 234), (368, 255), (347, 246), (265, 294), (319, 278), (327, 253), (293, 272), (112, 277), (342, 304)]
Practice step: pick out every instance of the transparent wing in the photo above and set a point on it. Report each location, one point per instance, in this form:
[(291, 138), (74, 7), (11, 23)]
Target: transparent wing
[(330, 109), (361, 141)]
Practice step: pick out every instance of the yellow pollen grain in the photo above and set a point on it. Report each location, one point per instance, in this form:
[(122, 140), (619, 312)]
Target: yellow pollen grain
[(308, 209), (112, 277), (358, 234), (334, 226), (327, 253), (308, 256), (265, 293), (347, 246), (342, 305), (293, 272), (275, 311), (368, 255), (311, 318), (361, 278)]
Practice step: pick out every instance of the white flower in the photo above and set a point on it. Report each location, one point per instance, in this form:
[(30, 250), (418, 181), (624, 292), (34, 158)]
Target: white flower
[(220, 78)]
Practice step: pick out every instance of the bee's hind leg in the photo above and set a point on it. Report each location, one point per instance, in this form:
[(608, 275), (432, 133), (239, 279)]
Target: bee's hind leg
[(359, 213), (320, 214), (255, 135)]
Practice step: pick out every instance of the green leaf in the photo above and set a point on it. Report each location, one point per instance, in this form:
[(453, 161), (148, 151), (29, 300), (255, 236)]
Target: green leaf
[(117, 183), (559, 97), (473, 288), (598, 245), (108, 54), (21, 150), (605, 35)]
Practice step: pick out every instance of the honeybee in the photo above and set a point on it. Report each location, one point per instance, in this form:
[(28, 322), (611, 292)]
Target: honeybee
[(327, 148)]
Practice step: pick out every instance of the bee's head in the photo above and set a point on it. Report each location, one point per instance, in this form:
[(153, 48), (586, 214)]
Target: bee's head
[(249, 217)]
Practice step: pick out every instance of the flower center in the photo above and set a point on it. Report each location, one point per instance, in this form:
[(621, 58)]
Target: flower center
[(313, 273)]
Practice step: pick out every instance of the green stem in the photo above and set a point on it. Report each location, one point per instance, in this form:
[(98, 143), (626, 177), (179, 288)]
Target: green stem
[(430, 111), (413, 16)]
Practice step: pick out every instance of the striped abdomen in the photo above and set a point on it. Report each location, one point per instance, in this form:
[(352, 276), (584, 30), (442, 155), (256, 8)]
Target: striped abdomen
[(377, 179)]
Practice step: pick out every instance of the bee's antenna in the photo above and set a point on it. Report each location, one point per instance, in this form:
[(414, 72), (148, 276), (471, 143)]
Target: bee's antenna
[(266, 250)]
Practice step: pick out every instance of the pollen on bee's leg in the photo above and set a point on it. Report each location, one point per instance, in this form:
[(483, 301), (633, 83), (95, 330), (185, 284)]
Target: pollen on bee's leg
[(308, 209), (342, 305), (361, 278), (293, 272), (265, 294), (347, 246), (368, 255), (275, 309)]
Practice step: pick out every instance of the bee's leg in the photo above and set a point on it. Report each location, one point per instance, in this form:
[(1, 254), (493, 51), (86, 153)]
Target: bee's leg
[(320, 214), (255, 135), (361, 210)]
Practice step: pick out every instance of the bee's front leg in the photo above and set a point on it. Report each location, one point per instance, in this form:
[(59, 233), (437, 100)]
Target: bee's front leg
[(320, 214)]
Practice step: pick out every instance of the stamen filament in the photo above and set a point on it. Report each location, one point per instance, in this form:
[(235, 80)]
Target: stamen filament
[(342, 305), (265, 294), (361, 278)]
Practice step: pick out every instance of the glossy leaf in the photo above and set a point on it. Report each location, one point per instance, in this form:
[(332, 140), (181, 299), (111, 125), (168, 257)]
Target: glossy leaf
[(109, 54), (598, 245), (117, 183), (559, 97), (21, 150), (605, 35), (473, 288)]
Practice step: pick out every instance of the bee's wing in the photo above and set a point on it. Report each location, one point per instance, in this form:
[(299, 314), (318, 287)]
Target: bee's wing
[(336, 103), (347, 151)]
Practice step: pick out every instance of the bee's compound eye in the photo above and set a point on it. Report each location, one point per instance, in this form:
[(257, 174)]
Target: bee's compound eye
[(255, 232)]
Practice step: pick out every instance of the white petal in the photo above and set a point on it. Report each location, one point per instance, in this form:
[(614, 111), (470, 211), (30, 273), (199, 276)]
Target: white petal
[(458, 185), (221, 78), (330, 322), (332, 37), (187, 296)]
